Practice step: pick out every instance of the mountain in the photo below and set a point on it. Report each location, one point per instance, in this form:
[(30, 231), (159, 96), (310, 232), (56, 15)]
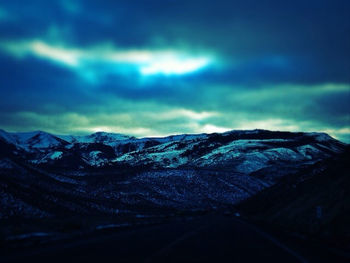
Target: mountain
[(98, 137), (31, 140), (175, 172), (57, 185), (239, 151)]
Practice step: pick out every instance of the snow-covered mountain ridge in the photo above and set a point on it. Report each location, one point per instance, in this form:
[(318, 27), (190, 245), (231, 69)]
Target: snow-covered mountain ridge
[(240, 151), (43, 174)]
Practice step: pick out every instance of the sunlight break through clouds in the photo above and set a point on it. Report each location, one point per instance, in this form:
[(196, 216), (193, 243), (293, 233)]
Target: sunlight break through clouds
[(146, 62), (173, 65)]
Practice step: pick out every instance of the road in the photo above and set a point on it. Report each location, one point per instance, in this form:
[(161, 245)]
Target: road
[(205, 239)]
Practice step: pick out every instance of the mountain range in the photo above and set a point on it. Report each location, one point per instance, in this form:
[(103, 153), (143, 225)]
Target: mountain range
[(53, 187), (239, 151), (110, 173)]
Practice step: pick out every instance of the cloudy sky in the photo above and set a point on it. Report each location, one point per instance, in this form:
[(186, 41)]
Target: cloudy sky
[(159, 67)]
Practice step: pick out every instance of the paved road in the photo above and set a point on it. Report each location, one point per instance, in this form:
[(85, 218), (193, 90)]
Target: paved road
[(206, 239)]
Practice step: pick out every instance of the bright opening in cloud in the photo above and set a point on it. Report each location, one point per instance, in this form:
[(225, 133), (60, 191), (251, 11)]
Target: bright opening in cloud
[(209, 128), (184, 113), (89, 60), (174, 66), (69, 57)]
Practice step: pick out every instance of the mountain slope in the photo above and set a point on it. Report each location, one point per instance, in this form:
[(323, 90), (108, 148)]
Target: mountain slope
[(315, 201), (31, 141)]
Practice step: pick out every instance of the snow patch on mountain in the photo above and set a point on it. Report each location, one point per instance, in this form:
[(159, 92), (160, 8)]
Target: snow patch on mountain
[(56, 155), (98, 137), (308, 151), (95, 158)]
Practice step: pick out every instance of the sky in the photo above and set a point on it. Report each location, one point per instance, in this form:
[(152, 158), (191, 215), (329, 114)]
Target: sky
[(161, 67)]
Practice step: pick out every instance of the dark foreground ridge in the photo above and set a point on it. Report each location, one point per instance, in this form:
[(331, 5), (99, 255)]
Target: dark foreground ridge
[(103, 192), (210, 238)]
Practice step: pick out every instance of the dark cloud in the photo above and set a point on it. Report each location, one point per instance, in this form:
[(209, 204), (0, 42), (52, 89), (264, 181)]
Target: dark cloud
[(32, 84)]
